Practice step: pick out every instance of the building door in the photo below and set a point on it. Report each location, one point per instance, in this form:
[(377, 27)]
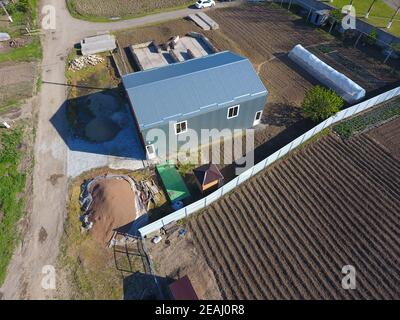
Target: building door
[(257, 118)]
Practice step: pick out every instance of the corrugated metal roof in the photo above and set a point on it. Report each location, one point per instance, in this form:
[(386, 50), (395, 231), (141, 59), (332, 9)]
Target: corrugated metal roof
[(198, 85), (96, 44)]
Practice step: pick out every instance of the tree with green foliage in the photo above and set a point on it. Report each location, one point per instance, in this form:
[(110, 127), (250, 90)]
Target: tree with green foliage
[(372, 37), (320, 103), (335, 17)]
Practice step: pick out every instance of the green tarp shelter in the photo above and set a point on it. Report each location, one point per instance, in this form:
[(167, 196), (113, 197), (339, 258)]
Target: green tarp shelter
[(173, 182)]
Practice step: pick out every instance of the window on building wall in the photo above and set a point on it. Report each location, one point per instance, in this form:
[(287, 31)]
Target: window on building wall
[(151, 152), (233, 112), (180, 127), (257, 118)]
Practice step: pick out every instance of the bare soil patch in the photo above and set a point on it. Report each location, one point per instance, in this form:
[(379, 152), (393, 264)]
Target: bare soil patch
[(17, 81), (190, 263), (388, 135)]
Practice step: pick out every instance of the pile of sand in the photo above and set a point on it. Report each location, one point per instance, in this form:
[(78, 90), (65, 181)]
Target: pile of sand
[(113, 207)]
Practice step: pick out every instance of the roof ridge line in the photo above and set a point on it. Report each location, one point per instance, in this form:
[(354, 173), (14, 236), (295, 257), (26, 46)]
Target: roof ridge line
[(185, 75)]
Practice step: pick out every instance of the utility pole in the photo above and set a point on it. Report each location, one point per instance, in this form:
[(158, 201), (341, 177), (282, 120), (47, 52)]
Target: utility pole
[(391, 20), (5, 10), (370, 9)]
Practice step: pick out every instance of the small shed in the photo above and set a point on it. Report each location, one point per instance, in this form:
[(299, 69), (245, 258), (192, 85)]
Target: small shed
[(208, 176), (97, 44), (182, 289), (319, 17)]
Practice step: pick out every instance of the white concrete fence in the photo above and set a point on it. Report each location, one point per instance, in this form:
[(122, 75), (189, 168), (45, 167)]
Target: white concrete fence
[(204, 202)]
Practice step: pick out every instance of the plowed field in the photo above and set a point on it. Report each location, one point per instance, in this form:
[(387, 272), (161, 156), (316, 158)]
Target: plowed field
[(287, 233), (389, 136)]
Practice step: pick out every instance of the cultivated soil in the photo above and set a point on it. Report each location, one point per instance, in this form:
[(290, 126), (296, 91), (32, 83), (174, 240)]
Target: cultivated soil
[(17, 82), (388, 135), (288, 232)]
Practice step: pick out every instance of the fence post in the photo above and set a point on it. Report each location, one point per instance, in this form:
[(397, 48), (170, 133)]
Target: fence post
[(358, 39), (309, 13)]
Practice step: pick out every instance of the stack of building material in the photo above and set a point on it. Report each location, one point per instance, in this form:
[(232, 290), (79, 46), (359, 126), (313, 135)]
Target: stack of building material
[(213, 25), (96, 44), (81, 62), (200, 22), (338, 82)]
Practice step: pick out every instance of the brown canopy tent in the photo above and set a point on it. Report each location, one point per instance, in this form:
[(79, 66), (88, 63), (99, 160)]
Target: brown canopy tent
[(208, 176)]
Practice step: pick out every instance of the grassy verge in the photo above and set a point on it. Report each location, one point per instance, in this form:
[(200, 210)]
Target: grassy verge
[(12, 184), (9, 105), (379, 16), (30, 52), (90, 267), (72, 9), (372, 118), (24, 14)]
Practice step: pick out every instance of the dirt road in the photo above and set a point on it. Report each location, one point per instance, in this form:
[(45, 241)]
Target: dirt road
[(40, 245)]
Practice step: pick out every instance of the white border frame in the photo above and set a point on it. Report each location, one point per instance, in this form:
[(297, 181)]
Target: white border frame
[(227, 114), (176, 124)]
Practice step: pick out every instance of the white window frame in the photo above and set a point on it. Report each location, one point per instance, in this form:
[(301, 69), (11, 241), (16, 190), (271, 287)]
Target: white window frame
[(176, 127), (257, 121), (153, 154), (233, 107)]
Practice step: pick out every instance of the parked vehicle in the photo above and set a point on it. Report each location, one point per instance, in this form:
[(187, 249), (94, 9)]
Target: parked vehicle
[(204, 4)]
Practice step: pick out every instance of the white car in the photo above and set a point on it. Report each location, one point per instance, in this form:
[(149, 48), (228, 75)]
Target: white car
[(204, 4)]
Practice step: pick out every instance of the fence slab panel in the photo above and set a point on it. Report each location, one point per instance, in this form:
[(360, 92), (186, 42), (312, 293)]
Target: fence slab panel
[(229, 186), (195, 206), (259, 166), (245, 175), (177, 215), (152, 227), (213, 196)]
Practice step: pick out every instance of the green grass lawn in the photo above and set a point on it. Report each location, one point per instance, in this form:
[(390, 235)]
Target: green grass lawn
[(379, 16), (30, 52), (12, 184)]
